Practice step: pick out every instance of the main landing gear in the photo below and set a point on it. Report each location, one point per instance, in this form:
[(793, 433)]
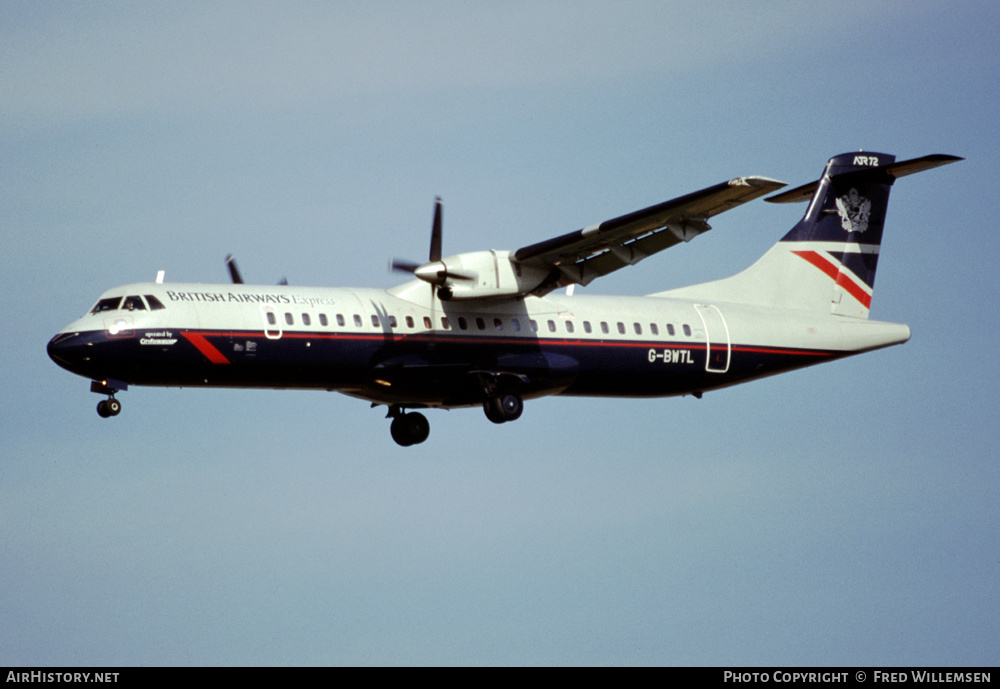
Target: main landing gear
[(408, 428), (412, 428), (503, 407), (500, 401)]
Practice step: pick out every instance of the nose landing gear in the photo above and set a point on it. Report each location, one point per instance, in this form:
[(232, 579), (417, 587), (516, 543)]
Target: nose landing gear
[(109, 407)]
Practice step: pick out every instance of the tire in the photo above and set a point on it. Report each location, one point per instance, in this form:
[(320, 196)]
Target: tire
[(504, 407), (410, 429)]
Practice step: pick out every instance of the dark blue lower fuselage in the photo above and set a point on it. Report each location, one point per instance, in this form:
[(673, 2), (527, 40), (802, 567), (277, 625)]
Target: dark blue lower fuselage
[(426, 369)]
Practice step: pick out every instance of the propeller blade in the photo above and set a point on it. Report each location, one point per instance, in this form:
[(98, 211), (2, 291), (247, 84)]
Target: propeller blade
[(401, 266), (438, 273), (435, 254), (234, 272)]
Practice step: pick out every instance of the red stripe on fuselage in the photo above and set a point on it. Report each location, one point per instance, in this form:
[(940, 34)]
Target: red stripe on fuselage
[(206, 348), (457, 338)]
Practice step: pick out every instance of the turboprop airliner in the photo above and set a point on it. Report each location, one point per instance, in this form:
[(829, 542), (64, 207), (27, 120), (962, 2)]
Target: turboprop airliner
[(487, 329)]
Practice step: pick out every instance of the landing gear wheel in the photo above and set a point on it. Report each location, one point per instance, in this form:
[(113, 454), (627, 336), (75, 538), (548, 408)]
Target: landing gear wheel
[(109, 407), (410, 429), (504, 407)]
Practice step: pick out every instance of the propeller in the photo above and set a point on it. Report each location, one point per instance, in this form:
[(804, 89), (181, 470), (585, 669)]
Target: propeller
[(403, 266), (434, 271), (234, 272)]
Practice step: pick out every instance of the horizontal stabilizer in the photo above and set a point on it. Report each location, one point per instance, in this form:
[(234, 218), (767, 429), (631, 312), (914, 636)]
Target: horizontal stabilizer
[(894, 171)]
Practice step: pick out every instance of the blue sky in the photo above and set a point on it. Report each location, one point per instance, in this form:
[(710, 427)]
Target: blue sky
[(840, 515)]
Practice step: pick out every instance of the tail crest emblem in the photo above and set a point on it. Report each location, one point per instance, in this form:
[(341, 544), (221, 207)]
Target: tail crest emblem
[(853, 210)]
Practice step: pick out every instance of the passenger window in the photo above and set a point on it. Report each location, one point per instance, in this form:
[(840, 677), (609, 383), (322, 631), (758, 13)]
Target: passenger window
[(444, 323), (497, 324), (670, 329), (586, 327), (392, 322), (462, 323), (271, 320), (569, 326), (154, 303), (409, 321), (306, 320), (687, 330), (515, 324), (133, 304), (106, 305), (289, 319), (552, 326), (427, 322), (621, 328), (340, 319), (638, 328), (323, 320), (357, 320), (375, 320), (654, 329), (534, 325), (604, 327), (480, 323)]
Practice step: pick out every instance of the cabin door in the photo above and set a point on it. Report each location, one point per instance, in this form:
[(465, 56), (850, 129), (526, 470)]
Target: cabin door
[(717, 345)]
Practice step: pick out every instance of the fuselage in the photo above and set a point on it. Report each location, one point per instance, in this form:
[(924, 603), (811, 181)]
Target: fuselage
[(407, 348)]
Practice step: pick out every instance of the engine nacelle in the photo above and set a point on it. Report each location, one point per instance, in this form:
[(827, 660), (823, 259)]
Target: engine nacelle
[(482, 275)]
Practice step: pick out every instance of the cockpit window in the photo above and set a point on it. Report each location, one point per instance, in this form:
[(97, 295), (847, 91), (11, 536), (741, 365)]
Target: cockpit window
[(154, 303), (134, 303), (109, 304)]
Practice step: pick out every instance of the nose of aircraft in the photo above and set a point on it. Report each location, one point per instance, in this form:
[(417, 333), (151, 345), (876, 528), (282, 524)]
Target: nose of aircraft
[(59, 349), (70, 350)]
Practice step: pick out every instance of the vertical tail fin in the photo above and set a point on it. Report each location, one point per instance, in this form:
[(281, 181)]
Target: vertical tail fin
[(841, 232), (827, 262)]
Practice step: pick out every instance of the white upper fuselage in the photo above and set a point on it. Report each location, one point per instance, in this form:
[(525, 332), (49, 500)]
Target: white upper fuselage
[(409, 310)]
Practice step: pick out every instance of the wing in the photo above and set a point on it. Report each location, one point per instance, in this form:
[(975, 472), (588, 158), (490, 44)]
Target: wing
[(600, 249)]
